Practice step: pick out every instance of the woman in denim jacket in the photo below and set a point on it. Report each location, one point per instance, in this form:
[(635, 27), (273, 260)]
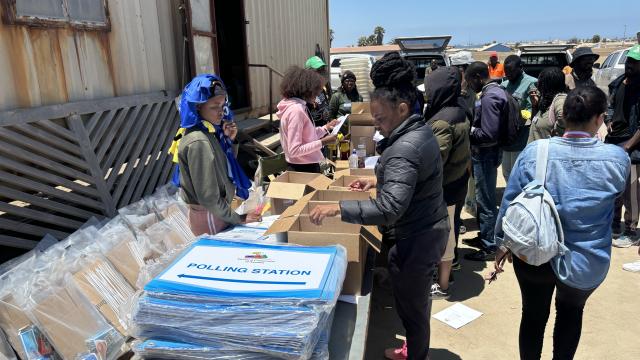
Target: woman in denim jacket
[(584, 177)]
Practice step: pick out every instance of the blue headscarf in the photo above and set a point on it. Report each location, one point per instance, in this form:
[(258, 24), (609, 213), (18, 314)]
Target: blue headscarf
[(199, 91)]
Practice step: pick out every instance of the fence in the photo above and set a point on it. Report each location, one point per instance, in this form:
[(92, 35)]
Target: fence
[(61, 165)]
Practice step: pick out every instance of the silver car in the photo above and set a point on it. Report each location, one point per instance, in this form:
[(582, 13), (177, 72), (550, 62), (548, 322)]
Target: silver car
[(611, 68)]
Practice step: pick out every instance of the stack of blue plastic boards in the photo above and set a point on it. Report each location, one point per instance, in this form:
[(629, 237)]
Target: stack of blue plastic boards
[(224, 299)]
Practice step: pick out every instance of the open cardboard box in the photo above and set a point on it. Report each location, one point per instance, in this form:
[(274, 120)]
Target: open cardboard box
[(289, 187), (311, 200), (361, 128), (343, 182), (355, 238), (354, 172)]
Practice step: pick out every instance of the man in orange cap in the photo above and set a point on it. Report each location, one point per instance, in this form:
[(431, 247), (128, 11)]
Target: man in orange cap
[(496, 69)]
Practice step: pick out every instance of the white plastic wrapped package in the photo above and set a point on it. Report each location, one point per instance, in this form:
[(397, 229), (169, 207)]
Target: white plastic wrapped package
[(6, 352), (139, 215), (232, 308), (68, 319), (170, 233)]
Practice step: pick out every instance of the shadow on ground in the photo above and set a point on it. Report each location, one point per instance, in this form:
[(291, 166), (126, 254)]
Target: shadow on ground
[(468, 283)]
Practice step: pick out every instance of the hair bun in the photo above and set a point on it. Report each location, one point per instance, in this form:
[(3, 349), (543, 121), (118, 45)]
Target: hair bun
[(392, 71)]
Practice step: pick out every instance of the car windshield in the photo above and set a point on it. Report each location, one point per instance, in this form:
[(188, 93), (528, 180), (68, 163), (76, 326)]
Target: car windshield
[(623, 58), (559, 60)]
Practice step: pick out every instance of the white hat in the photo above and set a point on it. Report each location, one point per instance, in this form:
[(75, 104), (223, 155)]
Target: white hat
[(462, 58)]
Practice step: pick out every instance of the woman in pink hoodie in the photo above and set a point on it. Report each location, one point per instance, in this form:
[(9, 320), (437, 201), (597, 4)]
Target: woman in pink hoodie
[(301, 141)]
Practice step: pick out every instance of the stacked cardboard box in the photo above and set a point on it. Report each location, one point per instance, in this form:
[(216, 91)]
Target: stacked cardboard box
[(361, 128), (291, 186)]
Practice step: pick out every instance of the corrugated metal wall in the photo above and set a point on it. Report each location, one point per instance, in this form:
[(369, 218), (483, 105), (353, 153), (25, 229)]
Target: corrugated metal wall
[(282, 33), (51, 66)]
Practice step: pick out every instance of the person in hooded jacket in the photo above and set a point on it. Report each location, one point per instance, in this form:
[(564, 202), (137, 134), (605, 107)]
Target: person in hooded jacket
[(449, 120), (347, 93), (409, 208), (209, 173)]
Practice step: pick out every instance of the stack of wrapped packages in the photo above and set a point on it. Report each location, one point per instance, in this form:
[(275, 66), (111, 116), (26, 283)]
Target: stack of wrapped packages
[(64, 300), (221, 299)]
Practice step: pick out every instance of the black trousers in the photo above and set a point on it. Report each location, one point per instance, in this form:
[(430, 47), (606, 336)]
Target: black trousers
[(537, 284), (412, 275), (310, 168)]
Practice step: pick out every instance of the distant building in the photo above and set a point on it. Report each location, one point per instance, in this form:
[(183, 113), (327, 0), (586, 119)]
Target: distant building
[(376, 50), (498, 47)]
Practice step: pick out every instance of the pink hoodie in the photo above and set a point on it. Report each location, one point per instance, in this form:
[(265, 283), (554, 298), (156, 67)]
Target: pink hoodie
[(299, 137)]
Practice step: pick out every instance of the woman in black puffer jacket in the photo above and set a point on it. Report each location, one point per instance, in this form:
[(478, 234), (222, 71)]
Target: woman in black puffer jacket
[(409, 208)]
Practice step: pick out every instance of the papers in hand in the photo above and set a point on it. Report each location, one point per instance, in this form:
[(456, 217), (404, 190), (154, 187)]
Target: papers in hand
[(338, 126), (457, 315)]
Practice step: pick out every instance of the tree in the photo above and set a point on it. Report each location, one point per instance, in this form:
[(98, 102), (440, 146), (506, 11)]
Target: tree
[(379, 34), (595, 39), (363, 41), (331, 36)]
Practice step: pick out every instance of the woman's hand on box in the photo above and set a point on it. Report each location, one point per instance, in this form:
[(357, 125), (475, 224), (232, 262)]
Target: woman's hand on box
[(364, 184), (320, 212)]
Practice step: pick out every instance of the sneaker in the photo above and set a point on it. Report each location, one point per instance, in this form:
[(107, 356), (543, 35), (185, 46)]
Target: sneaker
[(481, 255), (437, 293), (633, 267), (463, 229), (626, 241), (616, 230), (475, 242), (456, 266), (397, 354)]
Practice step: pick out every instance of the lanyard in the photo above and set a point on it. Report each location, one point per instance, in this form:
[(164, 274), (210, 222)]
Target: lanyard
[(576, 134)]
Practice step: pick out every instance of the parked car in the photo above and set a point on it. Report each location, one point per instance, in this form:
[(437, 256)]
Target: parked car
[(335, 66), (421, 50), (610, 69), (536, 58)]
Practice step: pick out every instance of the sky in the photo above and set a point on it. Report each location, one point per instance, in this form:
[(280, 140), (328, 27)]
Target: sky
[(479, 22)]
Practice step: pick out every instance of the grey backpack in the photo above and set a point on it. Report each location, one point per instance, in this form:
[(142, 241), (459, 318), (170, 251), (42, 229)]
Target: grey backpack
[(531, 224)]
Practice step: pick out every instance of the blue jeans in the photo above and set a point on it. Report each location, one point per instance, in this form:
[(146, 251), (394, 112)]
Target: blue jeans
[(485, 170)]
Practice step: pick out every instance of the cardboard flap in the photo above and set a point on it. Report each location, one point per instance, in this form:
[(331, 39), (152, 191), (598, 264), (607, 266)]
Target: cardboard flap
[(337, 195), (371, 235), (360, 108), (297, 208), (283, 224), (320, 183), (282, 190), (360, 120)]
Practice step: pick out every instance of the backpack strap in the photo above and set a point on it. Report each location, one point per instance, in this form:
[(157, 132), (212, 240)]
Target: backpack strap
[(541, 160)]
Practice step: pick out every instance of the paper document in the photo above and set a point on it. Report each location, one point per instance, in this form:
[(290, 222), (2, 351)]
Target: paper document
[(341, 121), (370, 162), (457, 315)]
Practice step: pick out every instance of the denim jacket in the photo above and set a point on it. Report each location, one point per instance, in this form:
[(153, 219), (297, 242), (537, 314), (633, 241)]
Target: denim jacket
[(584, 177)]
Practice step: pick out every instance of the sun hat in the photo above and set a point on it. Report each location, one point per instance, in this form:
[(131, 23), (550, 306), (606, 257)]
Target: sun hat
[(462, 58), (583, 52)]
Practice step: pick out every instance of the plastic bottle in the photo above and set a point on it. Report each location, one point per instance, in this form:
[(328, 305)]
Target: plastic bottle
[(353, 160), (362, 154)]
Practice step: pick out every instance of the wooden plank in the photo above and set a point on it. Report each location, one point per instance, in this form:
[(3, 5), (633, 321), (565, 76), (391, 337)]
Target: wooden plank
[(77, 126), (165, 175), (48, 177), (44, 162), (124, 153), (45, 203), (108, 140), (29, 229), (93, 121), (19, 116), (14, 242), (159, 167), (57, 129), (102, 127), (42, 148), (152, 123), (39, 216), (24, 183), (48, 138), (123, 136), (158, 147)]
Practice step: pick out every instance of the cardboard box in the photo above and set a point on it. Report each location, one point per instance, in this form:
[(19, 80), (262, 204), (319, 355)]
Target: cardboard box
[(289, 187), (355, 172), (343, 182), (341, 165), (355, 238), (12, 320), (311, 200), (361, 128)]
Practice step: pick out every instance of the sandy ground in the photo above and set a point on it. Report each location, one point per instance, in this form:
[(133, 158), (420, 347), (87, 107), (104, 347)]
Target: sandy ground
[(611, 325)]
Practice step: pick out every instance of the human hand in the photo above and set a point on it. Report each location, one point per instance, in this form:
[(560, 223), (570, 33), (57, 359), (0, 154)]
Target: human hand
[(230, 129), (534, 96), (502, 254), (329, 139), (322, 211), (363, 184), (252, 217), (331, 124)]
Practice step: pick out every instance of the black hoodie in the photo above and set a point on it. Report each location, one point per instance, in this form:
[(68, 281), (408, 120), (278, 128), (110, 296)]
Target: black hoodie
[(449, 120)]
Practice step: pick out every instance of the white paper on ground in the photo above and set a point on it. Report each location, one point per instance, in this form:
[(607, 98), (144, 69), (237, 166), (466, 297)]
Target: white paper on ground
[(341, 121), (457, 315), (370, 162)]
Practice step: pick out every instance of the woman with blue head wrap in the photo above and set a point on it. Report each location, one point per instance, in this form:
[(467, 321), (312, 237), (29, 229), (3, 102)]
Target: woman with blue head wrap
[(208, 171)]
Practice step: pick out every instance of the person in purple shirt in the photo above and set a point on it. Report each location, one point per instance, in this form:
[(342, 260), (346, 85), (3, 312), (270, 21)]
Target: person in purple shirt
[(490, 109)]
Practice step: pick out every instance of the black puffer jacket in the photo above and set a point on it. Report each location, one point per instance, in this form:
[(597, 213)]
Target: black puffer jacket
[(409, 190)]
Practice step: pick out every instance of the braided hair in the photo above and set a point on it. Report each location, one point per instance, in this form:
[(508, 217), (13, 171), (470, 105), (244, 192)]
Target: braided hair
[(550, 84), (583, 103), (393, 79)]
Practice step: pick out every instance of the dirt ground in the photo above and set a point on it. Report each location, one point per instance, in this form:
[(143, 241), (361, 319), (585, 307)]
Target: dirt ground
[(611, 324)]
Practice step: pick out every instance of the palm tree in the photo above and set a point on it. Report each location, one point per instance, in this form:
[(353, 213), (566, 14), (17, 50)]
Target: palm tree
[(331, 36), (379, 33)]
